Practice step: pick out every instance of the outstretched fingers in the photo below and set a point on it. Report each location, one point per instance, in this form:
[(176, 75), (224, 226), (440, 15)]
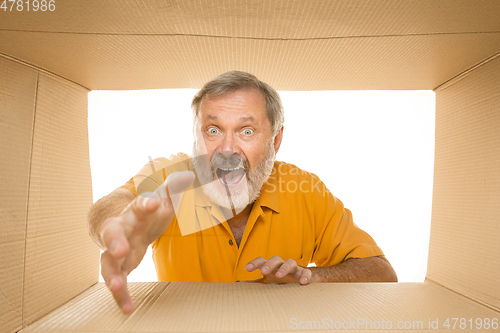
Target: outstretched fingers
[(127, 236), (276, 270), (116, 280), (178, 182), (115, 238)]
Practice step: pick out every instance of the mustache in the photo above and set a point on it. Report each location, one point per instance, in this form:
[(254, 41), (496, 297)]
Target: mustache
[(234, 160)]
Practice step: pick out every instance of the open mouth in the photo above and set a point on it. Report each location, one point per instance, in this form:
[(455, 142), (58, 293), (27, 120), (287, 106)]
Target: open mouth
[(230, 176)]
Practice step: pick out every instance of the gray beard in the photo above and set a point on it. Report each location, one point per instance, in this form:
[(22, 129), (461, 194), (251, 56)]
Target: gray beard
[(234, 199)]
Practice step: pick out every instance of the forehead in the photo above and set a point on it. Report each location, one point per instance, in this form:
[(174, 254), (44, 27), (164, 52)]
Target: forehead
[(243, 102)]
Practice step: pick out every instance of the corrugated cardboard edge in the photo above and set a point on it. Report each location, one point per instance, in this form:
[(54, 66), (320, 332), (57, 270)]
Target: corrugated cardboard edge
[(59, 250), (473, 299), (457, 78), (40, 221), (18, 86), (249, 307), (464, 246), (40, 69), (293, 45)]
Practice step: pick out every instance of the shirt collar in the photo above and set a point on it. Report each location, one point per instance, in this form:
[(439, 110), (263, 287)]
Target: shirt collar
[(269, 193)]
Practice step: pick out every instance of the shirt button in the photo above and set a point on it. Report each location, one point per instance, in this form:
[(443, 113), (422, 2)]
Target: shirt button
[(231, 242)]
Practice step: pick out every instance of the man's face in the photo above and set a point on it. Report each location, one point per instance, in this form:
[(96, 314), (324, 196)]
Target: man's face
[(234, 149)]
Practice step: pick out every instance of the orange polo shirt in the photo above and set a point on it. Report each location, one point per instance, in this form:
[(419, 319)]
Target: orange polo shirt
[(295, 217)]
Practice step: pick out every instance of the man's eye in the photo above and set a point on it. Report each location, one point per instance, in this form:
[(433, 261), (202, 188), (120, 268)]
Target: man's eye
[(213, 130), (248, 131)]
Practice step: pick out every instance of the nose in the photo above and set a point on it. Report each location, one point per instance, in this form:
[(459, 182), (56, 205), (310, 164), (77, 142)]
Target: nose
[(228, 149), (228, 144)]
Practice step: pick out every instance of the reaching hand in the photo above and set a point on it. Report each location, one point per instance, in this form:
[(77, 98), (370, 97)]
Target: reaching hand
[(127, 236), (276, 270)]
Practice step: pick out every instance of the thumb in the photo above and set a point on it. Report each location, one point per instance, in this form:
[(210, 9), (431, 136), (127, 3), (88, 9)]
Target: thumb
[(176, 183), (179, 181)]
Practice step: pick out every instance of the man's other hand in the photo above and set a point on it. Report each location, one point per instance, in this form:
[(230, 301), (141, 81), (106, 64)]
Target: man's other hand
[(276, 270), (127, 236)]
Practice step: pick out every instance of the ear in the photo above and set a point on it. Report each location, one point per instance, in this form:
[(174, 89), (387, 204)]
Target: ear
[(277, 140)]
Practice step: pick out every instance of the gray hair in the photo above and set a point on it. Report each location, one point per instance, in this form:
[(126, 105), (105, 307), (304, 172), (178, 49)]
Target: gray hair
[(236, 80)]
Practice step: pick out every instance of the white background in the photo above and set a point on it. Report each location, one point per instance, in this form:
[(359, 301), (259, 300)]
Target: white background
[(373, 149)]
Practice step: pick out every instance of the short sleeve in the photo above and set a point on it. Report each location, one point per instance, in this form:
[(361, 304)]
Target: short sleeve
[(338, 237), (129, 186), (154, 173)]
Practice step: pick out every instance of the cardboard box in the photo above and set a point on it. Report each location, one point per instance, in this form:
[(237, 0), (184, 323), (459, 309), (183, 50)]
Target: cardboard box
[(50, 60)]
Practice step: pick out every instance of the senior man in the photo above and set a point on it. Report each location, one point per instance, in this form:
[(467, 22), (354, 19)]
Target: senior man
[(239, 215)]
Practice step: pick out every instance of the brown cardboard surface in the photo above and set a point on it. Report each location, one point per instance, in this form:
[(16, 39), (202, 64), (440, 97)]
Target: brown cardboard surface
[(146, 62), (248, 307), (278, 19), (464, 248), (17, 107), (293, 45), (61, 259)]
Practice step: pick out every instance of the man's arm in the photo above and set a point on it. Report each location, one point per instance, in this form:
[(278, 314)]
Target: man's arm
[(124, 225), (276, 270), (109, 206), (372, 269)]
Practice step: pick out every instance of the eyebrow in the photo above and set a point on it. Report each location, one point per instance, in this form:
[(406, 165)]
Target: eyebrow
[(244, 119), (247, 119), (210, 117)]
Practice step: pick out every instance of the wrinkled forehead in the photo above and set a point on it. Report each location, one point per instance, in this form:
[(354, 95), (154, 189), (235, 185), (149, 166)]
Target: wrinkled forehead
[(250, 101)]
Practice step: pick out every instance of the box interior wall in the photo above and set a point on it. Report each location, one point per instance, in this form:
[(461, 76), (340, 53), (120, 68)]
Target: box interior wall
[(48, 64)]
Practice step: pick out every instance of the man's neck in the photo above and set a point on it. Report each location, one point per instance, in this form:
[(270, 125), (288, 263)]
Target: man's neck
[(241, 216), (238, 223)]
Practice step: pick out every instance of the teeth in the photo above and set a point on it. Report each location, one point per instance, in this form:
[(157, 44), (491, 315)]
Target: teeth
[(221, 179)]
